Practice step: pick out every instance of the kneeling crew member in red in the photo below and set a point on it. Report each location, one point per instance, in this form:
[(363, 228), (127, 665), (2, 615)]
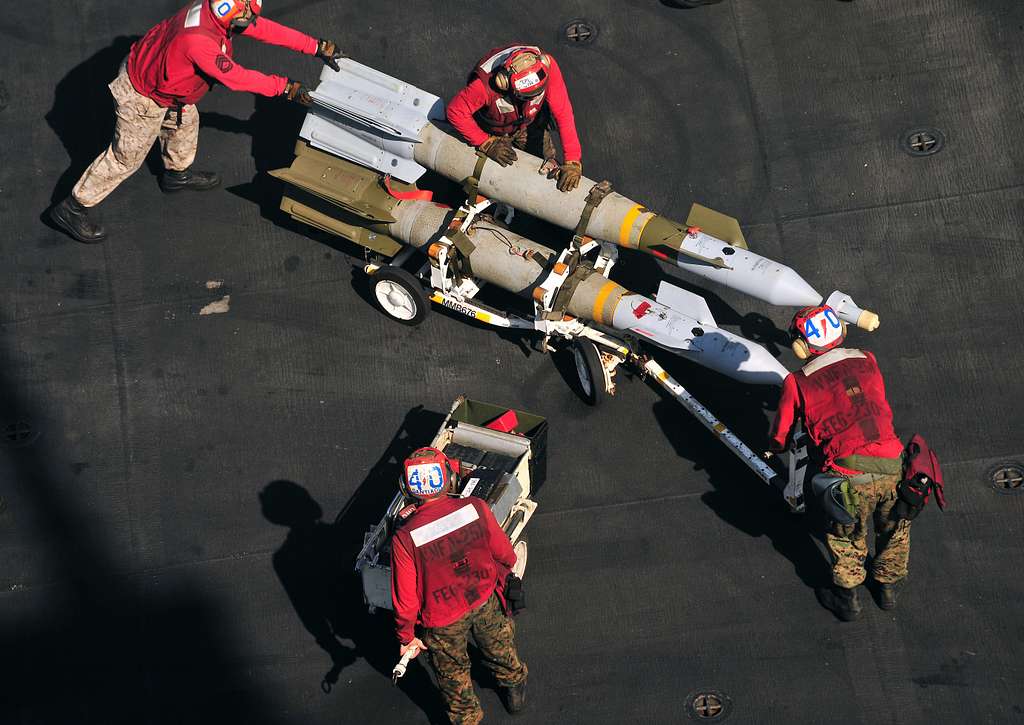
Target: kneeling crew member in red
[(165, 74), (839, 396), (449, 562), (512, 94)]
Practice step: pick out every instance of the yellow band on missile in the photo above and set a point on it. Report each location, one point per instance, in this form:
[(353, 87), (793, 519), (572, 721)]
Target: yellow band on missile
[(627, 224), (602, 296)]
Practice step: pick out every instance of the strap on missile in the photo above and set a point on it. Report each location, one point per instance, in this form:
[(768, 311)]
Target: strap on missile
[(597, 194), (471, 184), (564, 294)]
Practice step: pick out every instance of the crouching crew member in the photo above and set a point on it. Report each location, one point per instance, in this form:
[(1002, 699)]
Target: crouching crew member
[(839, 396), (165, 74), (450, 560), (512, 95)]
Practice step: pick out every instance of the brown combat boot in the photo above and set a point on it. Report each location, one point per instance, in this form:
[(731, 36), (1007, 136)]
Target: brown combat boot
[(515, 698), (887, 596), (73, 218), (841, 601)]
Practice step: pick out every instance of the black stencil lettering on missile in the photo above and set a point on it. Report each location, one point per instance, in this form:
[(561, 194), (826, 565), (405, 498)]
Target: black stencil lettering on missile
[(224, 63), (4, 96)]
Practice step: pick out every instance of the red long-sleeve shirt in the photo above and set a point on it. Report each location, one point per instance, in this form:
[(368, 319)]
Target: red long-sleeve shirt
[(471, 106), (840, 397), (446, 560), (178, 61)]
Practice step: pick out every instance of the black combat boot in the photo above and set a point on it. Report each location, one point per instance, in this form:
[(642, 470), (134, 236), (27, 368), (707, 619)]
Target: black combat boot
[(189, 179), (515, 698), (843, 602), (73, 218), (886, 596)]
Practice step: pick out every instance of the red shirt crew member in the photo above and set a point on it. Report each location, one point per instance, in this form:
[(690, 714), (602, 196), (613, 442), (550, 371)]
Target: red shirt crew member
[(165, 74), (449, 561), (839, 396), (509, 89)]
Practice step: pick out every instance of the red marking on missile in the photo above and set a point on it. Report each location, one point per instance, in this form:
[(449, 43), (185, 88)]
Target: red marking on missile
[(641, 309)]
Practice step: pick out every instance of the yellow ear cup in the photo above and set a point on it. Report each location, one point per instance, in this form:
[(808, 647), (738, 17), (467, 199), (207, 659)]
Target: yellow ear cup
[(800, 349)]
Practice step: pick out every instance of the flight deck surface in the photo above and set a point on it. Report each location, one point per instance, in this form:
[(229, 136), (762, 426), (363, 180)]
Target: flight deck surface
[(201, 416)]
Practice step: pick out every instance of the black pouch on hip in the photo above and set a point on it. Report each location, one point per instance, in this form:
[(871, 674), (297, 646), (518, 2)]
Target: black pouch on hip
[(913, 495), (515, 597)]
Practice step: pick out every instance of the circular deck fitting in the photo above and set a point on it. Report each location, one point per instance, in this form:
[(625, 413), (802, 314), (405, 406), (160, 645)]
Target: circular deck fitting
[(923, 141), (1007, 478), (708, 706), (19, 434), (579, 32)]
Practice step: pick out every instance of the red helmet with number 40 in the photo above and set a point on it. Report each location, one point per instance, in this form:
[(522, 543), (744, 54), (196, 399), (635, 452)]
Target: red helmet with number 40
[(427, 473), (237, 14), (816, 330)]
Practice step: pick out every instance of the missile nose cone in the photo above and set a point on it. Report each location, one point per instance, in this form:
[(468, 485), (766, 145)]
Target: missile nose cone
[(737, 357)]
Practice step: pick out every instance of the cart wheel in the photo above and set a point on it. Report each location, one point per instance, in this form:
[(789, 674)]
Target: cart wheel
[(400, 295), (589, 371), (522, 550)]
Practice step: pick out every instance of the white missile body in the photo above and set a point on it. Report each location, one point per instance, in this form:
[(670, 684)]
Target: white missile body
[(383, 123), (678, 321)]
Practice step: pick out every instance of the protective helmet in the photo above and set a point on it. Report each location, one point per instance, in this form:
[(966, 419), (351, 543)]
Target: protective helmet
[(237, 14), (816, 330), (524, 73), (427, 473)]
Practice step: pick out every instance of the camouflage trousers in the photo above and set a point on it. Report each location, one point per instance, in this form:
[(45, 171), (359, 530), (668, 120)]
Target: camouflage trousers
[(447, 646), (140, 122), (848, 544)]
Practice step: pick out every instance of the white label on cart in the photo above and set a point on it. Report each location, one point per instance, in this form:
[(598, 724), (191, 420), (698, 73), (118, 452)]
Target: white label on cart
[(444, 525), (470, 487)]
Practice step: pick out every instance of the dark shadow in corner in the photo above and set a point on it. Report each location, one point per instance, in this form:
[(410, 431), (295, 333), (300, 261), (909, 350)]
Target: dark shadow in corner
[(96, 643), (82, 114), (316, 565)]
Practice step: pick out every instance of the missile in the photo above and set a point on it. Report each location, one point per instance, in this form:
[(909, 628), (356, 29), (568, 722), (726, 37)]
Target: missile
[(352, 201), (383, 123)]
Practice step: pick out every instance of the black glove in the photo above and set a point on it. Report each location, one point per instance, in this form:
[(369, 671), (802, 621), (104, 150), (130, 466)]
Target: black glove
[(296, 91), (498, 148), (327, 50)]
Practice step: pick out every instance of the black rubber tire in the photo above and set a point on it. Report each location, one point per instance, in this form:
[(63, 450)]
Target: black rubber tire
[(589, 372), (414, 294)]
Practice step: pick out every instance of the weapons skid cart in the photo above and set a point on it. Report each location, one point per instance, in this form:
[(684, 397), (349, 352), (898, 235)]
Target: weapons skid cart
[(419, 252), (503, 469)]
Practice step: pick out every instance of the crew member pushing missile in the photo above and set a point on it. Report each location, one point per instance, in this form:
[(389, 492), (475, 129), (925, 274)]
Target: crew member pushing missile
[(165, 74), (512, 95), (839, 396), (449, 563)]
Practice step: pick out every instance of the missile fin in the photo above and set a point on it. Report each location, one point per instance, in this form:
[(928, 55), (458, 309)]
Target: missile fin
[(686, 303), (717, 224)]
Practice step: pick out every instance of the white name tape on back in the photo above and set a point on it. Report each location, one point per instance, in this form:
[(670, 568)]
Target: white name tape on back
[(444, 525)]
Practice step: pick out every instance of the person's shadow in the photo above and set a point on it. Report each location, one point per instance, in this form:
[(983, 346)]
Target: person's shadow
[(315, 565), (82, 115), (739, 497)]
